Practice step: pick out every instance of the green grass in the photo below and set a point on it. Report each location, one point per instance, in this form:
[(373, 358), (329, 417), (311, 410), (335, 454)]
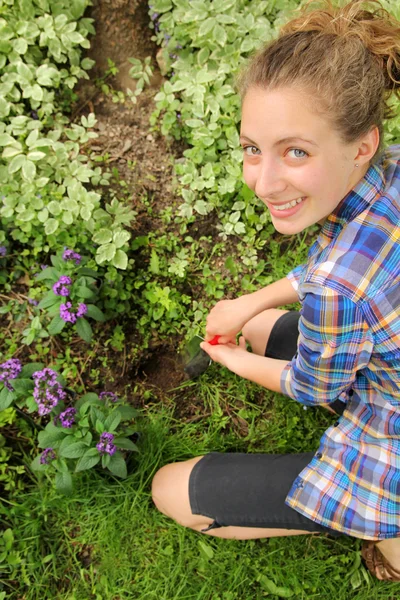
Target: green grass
[(108, 542)]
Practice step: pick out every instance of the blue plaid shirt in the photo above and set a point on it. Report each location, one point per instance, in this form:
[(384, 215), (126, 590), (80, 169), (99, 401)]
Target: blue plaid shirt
[(349, 348)]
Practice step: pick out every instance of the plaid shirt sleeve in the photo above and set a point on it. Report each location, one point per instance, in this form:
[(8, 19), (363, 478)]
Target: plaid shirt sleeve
[(294, 276), (334, 343)]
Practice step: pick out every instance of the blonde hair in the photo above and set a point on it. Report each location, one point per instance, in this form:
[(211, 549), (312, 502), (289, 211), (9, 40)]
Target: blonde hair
[(347, 60)]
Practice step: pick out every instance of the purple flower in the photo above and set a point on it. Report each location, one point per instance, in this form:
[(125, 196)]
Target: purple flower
[(3, 251), (66, 314), (105, 445), (82, 310), (60, 288), (154, 16), (10, 370), (33, 302), (67, 418), (108, 396), (71, 255), (43, 267), (47, 392), (47, 455)]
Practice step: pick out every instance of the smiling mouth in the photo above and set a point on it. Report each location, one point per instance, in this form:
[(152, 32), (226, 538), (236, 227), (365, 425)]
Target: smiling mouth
[(288, 205)]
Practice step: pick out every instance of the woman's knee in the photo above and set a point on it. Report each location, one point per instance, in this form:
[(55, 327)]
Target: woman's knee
[(170, 491), (258, 329)]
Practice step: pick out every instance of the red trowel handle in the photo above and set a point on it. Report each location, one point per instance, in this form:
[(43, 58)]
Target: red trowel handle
[(214, 341)]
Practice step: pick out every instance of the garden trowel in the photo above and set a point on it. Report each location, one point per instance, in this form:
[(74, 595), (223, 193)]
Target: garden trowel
[(195, 360)]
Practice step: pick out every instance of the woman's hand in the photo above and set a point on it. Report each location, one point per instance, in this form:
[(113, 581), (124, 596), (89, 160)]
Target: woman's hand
[(228, 318), (228, 354)]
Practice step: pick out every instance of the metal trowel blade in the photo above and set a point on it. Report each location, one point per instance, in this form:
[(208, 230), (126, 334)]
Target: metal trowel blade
[(195, 360)]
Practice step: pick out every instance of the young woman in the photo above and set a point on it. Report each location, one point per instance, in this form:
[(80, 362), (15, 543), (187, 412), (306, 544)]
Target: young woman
[(313, 105)]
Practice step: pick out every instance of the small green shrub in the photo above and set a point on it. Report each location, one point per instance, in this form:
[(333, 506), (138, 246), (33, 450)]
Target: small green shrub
[(46, 199)]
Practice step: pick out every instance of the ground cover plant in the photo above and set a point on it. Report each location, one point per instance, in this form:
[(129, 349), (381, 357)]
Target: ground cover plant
[(123, 219)]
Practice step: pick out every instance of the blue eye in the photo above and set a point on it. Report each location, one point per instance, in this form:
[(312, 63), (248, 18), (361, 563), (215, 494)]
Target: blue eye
[(251, 150), (296, 151)]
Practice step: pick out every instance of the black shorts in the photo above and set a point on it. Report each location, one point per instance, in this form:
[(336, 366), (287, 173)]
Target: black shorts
[(249, 490)]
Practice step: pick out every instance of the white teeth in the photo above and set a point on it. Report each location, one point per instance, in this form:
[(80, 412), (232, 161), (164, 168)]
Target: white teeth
[(290, 204)]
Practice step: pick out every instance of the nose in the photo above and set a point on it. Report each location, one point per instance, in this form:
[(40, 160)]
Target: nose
[(269, 179)]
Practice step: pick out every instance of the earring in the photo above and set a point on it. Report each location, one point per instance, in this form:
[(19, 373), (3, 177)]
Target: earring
[(356, 165)]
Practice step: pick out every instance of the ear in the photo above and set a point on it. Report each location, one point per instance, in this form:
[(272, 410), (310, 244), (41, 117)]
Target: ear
[(367, 146)]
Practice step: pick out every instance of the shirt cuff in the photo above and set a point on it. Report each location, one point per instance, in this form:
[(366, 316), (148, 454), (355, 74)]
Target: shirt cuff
[(285, 381)]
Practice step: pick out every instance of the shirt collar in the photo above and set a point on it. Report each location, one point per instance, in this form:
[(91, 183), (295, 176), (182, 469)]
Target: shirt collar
[(356, 201)]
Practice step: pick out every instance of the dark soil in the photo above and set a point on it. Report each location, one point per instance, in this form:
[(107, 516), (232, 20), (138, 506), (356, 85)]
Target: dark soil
[(144, 160)]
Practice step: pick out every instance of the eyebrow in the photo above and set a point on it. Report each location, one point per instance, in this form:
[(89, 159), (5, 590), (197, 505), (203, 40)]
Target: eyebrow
[(285, 140)]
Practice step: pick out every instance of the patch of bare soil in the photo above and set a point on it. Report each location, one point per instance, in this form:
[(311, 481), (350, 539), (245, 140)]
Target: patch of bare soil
[(143, 157)]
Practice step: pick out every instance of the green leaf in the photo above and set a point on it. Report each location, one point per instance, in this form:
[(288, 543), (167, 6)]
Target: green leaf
[(128, 412), (84, 329), (112, 421), (125, 444), (120, 238), (22, 386), (106, 252), (89, 272), (48, 273), (88, 460), (36, 465), (86, 401), (63, 482), (30, 368), (16, 163), (117, 465), (206, 552), (6, 398), (272, 588), (49, 299), (103, 236), (4, 107), (51, 226), (35, 155), (6, 139), (120, 260), (154, 263), (56, 325), (207, 26), (84, 292), (51, 436), (28, 170), (95, 313), (73, 449), (20, 46), (194, 123)]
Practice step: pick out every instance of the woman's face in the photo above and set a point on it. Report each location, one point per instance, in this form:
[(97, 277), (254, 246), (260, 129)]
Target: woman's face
[(293, 160)]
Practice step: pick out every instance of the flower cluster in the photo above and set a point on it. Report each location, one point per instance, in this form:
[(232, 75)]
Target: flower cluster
[(47, 392), (108, 396), (105, 445), (70, 317), (10, 370), (71, 255), (61, 287), (66, 418), (47, 455)]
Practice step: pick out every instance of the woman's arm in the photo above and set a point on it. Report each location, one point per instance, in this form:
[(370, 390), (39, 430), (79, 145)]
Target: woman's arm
[(228, 317)]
